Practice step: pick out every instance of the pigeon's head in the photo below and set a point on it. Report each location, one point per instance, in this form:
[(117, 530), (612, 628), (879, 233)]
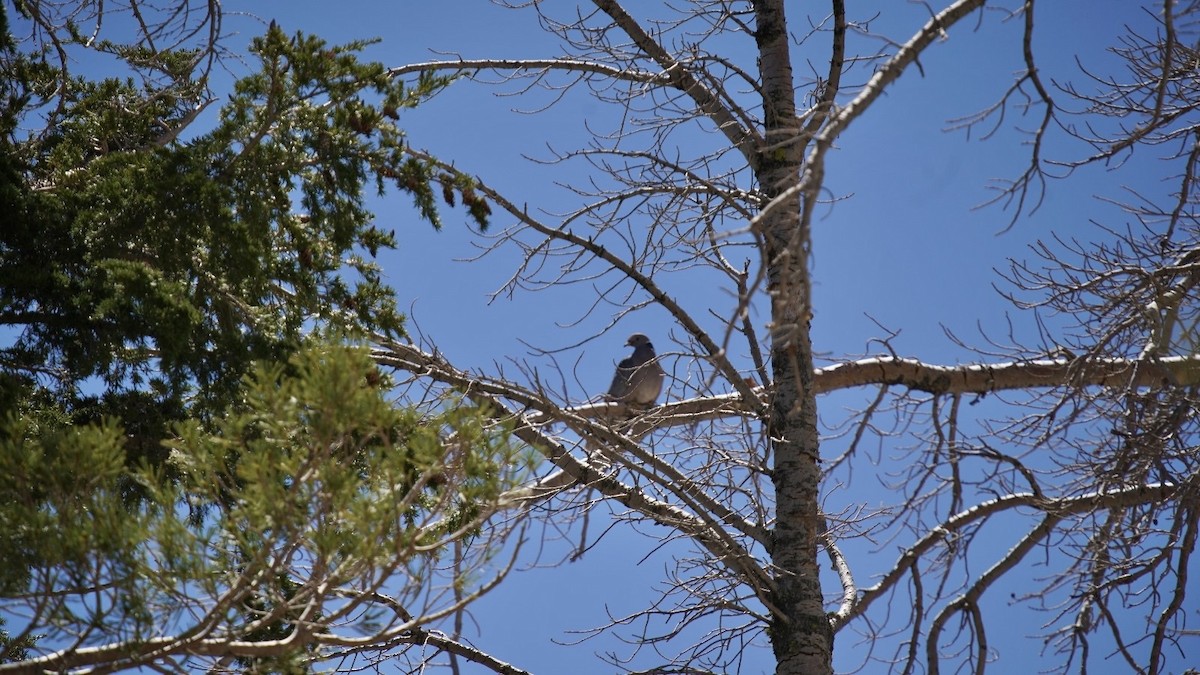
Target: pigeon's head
[(638, 340)]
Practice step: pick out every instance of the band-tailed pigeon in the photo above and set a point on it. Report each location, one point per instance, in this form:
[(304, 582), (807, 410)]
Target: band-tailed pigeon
[(639, 378)]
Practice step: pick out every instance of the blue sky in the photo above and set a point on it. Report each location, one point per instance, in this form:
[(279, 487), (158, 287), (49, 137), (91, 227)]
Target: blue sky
[(909, 185), (903, 248)]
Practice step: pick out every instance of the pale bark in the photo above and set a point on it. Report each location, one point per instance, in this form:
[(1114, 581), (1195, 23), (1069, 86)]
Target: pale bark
[(932, 378)]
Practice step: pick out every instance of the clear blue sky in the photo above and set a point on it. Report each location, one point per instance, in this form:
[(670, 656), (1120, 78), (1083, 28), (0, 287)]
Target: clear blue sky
[(904, 248)]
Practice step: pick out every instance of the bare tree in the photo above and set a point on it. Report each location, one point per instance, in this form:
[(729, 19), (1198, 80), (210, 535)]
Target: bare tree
[(1086, 441)]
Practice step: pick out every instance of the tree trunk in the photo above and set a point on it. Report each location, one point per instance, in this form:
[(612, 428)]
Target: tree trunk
[(801, 638)]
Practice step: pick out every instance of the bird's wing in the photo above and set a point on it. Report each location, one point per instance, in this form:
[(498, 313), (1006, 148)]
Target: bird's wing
[(646, 380), (621, 379)]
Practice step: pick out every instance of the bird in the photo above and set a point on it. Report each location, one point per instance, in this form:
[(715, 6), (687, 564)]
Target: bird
[(639, 379)]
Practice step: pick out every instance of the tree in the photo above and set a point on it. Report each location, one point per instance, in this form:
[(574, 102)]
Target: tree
[(718, 161), (717, 152), (201, 465)]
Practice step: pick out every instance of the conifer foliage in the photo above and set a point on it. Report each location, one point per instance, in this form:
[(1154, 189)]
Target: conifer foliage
[(197, 465)]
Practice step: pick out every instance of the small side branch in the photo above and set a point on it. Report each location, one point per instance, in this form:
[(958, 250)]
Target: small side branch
[(1060, 508), (535, 66)]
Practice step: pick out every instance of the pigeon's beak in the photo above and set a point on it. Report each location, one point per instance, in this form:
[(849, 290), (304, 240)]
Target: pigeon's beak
[(629, 342)]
